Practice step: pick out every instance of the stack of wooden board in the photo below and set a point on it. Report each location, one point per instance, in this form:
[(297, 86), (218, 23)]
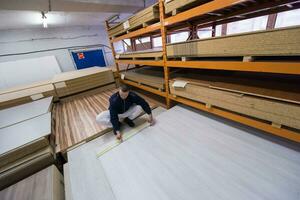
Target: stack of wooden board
[(73, 82), (246, 97), (173, 6), (24, 94), (47, 184), (25, 145), (140, 19), (155, 54), (278, 42), (150, 76)]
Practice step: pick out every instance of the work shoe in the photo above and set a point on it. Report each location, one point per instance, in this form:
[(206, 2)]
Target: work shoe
[(120, 124), (129, 122)]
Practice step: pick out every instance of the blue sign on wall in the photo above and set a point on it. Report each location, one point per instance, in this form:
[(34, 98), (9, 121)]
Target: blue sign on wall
[(85, 59)]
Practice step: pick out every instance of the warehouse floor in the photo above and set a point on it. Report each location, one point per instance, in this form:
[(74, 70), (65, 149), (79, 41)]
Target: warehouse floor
[(186, 155)]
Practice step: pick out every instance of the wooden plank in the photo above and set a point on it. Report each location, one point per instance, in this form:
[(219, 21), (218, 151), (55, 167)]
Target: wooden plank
[(181, 5), (150, 53), (269, 110), (24, 112), (278, 42), (46, 184)]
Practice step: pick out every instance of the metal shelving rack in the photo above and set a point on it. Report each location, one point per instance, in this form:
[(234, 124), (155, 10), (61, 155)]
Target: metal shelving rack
[(198, 16)]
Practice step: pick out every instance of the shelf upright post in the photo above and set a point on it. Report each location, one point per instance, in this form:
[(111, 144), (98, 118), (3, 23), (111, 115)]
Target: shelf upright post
[(164, 42), (112, 49)]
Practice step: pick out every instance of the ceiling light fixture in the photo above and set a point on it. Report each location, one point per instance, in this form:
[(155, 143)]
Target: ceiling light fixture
[(44, 20)]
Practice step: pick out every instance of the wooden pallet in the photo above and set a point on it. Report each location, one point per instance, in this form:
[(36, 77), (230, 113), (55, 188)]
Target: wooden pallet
[(278, 42)]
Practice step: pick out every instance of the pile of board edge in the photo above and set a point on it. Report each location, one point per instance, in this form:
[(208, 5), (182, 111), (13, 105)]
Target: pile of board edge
[(155, 53), (173, 6), (26, 144), (73, 82), (149, 76), (277, 42), (140, 19), (47, 184), (63, 84), (278, 107)]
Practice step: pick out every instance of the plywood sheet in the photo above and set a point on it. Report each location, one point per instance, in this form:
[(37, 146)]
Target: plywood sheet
[(24, 112), (46, 184), (175, 5), (150, 76), (25, 132), (187, 155), (27, 71), (269, 110), (278, 42), (149, 53)]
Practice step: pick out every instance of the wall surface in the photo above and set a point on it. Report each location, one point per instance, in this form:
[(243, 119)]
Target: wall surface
[(51, 41)]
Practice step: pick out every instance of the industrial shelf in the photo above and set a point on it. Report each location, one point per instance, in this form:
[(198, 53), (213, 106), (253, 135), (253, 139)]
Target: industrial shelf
[(281, 132), (211, 14), (146, 88), (141, 62), (267, 67)]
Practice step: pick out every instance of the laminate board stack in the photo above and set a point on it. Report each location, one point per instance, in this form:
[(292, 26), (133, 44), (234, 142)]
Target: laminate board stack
[(274, 105), (173, 6), (277, 42), (150, 76), (155, 54), (140, 19), (47, 184), (26, 93), (186, 155), (25, 145), (73, 82)]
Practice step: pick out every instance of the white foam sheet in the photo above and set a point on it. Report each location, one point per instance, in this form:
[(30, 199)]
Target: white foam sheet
[(25, 132), (24, 112), (190, 156), (27, 71)]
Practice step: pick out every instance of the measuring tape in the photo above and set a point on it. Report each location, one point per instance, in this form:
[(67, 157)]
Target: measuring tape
[(126, 136)]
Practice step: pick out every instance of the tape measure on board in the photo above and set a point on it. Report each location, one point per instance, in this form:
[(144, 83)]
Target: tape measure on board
[(126, 136)]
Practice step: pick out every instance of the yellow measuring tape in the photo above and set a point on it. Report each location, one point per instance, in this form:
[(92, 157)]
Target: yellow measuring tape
[(126, 136)]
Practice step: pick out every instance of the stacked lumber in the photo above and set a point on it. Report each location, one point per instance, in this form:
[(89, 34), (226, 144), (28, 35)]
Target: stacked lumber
[(278, 42), (146, 54), (47, 184), (73, 82), (274, 105), (149, 76), (26, 93), (140, 19), (173, 6), (25, 145)]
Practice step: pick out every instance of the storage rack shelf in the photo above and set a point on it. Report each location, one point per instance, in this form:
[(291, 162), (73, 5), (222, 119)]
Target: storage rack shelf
[(211, 14)]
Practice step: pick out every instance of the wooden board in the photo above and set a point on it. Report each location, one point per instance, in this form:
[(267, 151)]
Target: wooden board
[(256, 86), (25, 94), (261, 108), (173, 6), (67, 181), (187, 155), (75, 120), (13, 115), (46, 184), (25, 132), (278, 42), (73, 82), (150, 76), (25, 166), (149, 53), (92, 174), (148, 15)]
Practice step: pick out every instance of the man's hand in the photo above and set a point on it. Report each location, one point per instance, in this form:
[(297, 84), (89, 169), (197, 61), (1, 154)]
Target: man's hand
[(119, 136), (151, 120)]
